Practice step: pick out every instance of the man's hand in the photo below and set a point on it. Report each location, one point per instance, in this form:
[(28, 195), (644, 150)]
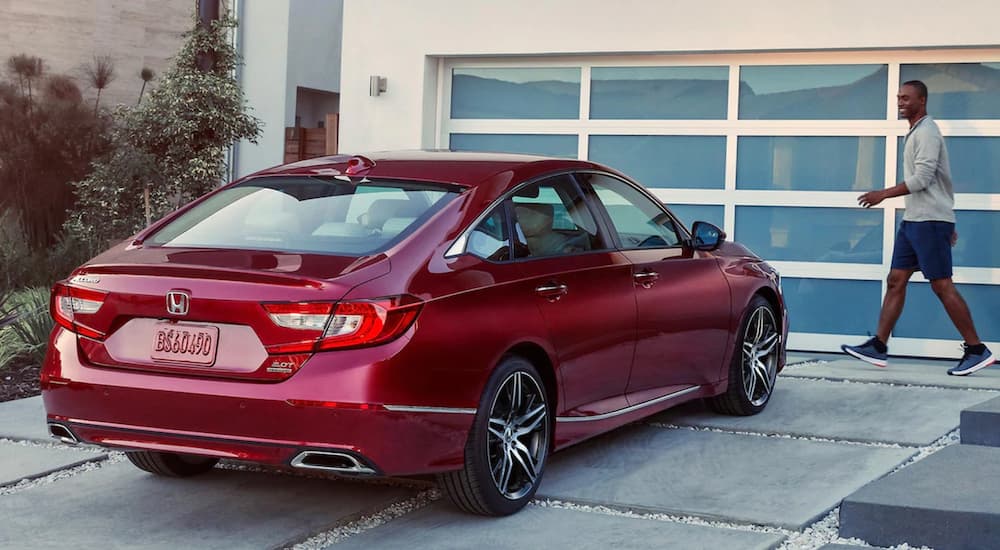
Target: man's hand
[(871, 198), (954, 237)]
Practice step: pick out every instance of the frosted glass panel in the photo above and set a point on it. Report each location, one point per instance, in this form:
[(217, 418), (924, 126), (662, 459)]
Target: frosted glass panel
[(531, 93), (810, 163), (924, 316), (845, 235), (830, 306), (659, 92), (958, 90), (690, 213), (974, 162), (551, 145), (818, 92), (691, 162)]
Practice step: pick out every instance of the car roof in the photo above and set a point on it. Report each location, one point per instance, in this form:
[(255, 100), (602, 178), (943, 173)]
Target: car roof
[(456, 167)]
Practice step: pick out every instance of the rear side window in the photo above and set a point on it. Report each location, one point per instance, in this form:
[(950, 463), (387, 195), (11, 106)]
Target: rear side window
[(306, 215)]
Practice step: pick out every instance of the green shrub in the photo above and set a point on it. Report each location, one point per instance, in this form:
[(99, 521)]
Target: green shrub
[(26, 337)]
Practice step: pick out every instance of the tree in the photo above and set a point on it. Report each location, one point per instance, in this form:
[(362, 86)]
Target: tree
[(172, 146), (100, 74)]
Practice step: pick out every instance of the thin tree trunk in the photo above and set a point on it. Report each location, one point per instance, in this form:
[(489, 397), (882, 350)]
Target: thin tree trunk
[(97, 102), (141, 90), (145, 198)]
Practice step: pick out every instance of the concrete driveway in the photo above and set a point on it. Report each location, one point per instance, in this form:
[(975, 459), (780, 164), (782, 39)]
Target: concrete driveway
[(682, 479)]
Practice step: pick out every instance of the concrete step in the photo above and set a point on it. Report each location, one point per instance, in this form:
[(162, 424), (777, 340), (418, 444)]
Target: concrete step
[(947, 500), (981, 424)]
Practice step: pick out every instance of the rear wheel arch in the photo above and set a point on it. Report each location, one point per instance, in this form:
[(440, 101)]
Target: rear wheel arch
[(538, 357)]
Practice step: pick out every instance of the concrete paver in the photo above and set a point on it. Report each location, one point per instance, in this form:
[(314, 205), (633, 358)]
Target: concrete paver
[(773, 481), (24, 419), (19, 462), (947, 500), (835, 410), (120, 506), (899, 371), (981, 424), (440, 527)]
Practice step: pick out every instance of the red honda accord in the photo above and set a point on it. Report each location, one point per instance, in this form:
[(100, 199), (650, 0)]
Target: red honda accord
[(409, 313)]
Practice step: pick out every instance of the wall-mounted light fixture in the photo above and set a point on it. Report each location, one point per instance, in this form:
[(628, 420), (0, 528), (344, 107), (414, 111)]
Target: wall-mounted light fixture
[(376, 85)]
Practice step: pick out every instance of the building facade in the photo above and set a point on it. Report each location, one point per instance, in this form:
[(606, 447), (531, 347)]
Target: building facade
[(767, 119)]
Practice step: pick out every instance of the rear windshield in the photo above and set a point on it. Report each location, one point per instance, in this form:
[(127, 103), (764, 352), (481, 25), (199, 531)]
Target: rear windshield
[(306, 214)]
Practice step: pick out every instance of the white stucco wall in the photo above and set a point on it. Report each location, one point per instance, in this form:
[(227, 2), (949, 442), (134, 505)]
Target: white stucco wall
[(285, 44), (394, 38)]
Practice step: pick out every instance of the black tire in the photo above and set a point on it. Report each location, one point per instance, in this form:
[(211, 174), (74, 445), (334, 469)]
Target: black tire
[(502, 469), (171, 464), (752, 375)]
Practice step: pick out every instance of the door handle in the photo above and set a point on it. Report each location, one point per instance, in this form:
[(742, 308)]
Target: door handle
[(646, 278), (552, 291)]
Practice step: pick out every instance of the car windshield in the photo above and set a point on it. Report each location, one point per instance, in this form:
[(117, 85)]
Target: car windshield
[(306, 214)]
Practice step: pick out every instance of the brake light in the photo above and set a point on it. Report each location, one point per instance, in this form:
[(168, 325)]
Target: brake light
[(68, 303), (348, 324)]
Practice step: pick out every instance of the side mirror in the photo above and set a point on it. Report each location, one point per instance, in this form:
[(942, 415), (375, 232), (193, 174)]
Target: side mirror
[(705, 236)]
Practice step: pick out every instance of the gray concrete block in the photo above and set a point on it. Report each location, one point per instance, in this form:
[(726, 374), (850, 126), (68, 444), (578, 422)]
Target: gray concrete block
[(834, 410), (947, 500), (795, 357), (19, 462), (841, 547), (768, 480), (24, 419), (441, 527), (120, 506), (900, 371), (981, 424)]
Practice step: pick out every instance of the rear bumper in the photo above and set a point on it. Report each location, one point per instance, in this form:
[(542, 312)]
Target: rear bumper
[(322, 408)]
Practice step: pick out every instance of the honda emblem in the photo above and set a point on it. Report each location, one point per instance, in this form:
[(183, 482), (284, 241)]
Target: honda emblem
[(178, 302)]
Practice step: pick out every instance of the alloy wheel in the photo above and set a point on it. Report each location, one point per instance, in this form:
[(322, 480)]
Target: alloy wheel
[(518, 435), (760, 356)]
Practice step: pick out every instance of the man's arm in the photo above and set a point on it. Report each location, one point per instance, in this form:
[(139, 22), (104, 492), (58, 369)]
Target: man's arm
[(872, 198)]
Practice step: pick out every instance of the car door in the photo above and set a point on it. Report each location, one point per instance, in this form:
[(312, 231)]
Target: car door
[(683, 299), (583, 289)]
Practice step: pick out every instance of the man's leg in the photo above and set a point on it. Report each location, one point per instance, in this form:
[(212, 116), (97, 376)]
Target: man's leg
[(957, 309), (892, 305)]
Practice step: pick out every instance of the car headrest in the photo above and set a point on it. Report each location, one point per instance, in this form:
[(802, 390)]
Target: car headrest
[(535, 218), (383, 209)]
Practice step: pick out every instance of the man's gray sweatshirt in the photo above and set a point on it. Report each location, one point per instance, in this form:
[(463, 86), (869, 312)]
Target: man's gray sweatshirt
[(927, 175)]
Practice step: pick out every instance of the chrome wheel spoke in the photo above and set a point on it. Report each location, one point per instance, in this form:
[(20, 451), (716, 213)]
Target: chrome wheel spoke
[(530, 421), (767, 345), (749, 382), (507, 467), (524, 458), (497, 433), (761, 372)]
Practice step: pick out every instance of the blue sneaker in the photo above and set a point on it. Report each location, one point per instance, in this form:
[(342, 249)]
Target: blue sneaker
[(867, 353), (971, 362)]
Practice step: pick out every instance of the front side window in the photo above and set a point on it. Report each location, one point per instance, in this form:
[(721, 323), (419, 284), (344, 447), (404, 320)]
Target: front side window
[(552, 219), (306, 214), (639, 222)]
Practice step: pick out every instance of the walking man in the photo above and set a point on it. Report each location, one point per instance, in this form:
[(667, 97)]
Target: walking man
[(925, 237)]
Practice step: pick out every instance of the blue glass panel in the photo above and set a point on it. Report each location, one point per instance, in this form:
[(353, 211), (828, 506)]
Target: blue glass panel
[(691, 162), (978, 233), (813, 92), (830, 306), (659, 92), (810, 163), (550, 145), (974, 163), (846, 235), (534, 92), (958, 90), (690, 213), (924, 316)]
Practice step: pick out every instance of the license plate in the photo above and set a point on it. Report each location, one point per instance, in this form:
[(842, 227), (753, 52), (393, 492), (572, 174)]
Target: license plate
[(182, 343)]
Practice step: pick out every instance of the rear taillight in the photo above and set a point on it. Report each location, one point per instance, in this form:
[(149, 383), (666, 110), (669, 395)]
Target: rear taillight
[(70, 305), (348, 324)]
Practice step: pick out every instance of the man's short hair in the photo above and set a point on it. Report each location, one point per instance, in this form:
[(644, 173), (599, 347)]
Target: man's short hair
[(920, 87)]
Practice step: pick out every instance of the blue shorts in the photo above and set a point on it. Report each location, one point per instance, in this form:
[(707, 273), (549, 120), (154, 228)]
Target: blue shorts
[(924, 246)]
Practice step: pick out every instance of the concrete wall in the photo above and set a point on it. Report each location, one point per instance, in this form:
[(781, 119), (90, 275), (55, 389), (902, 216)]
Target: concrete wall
[(393, 38), (68, 34)]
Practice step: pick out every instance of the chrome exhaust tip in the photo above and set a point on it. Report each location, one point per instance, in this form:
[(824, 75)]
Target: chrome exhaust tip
[(342, 463), (62, 433)]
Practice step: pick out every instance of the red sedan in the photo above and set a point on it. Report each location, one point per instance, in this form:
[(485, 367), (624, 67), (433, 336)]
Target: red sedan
[(409, 313)]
